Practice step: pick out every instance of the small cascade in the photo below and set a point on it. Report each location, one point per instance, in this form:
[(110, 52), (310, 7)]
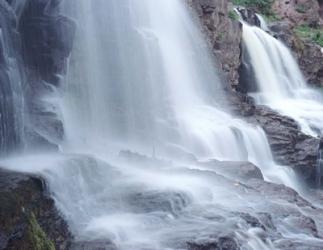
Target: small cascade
[(141, 79), (11, 80), (279, 81)]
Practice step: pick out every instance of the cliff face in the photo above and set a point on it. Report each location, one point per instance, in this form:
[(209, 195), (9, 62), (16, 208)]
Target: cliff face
[(35, 42), (47, 39), (298, 12), (11, 96), (224, 35)]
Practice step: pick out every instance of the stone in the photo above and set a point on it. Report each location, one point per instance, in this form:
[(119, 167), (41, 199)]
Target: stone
[(28, 215), (235, 170), (298, 11)]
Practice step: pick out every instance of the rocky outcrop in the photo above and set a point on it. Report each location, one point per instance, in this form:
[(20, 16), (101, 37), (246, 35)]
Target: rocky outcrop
[(224, 35), (310, 58), (28, 217), (11, 96), (289, 145), (298, 11), (47, 39)]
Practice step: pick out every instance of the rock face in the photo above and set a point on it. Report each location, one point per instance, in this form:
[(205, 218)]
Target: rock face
[(310, 58), (289, 145), (11, 96), (224, 35), (28, 217), (298, 11), (47, 39)]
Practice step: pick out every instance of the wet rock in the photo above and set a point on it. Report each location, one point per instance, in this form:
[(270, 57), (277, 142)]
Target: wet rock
[(249, 16), (222, 243), (238, 170), (289, 145), (47, 40), (93, 245), (11, 96), (28, 217)]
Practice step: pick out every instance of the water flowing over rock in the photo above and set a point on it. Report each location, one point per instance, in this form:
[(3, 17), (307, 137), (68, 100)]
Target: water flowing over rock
[(11, 81), (47, 39), (152, 154), (308, 54)]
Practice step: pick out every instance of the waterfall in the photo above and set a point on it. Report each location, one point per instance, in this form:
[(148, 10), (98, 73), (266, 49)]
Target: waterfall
[(11, 77), (141, 78), (280, 83)]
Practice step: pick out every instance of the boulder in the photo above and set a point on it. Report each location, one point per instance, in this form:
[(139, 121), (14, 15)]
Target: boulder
[(28, 217), (236, 170)]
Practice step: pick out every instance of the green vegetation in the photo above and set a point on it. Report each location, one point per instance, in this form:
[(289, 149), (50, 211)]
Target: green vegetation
[(220, 36), (263, 6), (37, 236), (271, 18), (309, 33), (233, 15), (300, 8)]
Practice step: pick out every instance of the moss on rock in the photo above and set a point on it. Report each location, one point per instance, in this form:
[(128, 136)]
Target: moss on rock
[(37, 236)]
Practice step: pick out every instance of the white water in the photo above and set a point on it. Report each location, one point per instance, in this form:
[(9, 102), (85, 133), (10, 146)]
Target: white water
[(280, 82), (141, 78)]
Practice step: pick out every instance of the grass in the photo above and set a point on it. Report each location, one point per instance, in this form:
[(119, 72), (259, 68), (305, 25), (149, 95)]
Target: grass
[(300, 8), (313, 34), (37, 236), (271, 18), (233, 15), (263, 6)]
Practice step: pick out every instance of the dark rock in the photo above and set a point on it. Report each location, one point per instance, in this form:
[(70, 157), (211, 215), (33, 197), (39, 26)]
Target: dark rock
[(239, 170), (26, 211), (11, 96), (93, 245), (222, 243), (249, 16), (289, 145), (47, 40)]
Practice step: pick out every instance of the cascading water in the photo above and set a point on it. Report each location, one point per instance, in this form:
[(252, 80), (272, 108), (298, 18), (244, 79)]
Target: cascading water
[(280, 83), (11, 94), (141, 78)]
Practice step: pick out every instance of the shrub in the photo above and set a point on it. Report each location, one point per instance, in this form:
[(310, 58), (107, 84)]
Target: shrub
[(263, 6), (233, 15), (309, 33)]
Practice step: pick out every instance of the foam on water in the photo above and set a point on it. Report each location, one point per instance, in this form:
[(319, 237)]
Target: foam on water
[(280, 83), (141, 77)]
